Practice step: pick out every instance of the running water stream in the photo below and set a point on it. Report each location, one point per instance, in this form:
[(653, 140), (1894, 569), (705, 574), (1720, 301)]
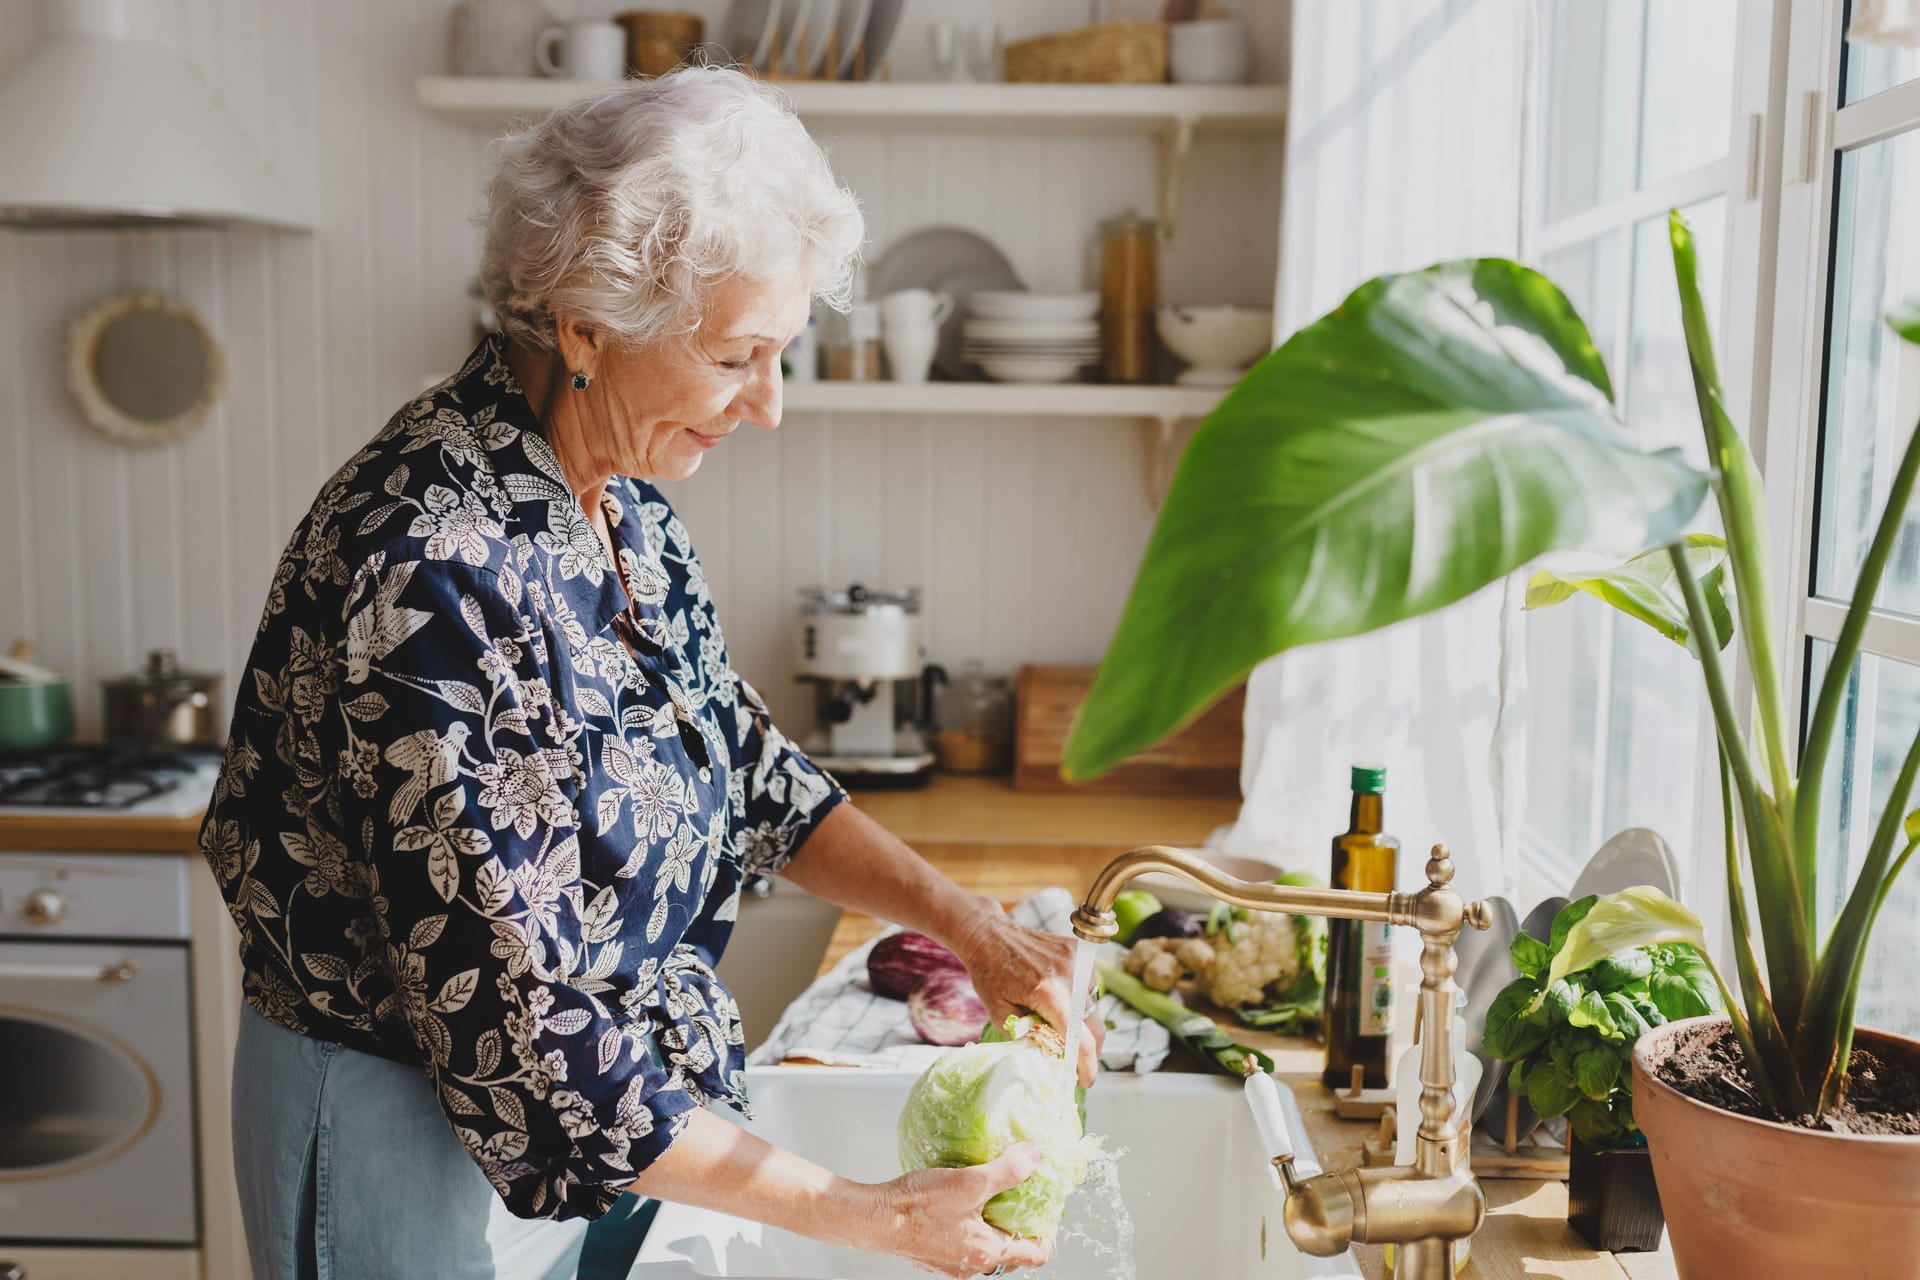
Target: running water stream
[(1097, 1236), (1078, 998)]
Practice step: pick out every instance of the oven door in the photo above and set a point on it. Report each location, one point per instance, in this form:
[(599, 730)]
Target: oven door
[(96, 1094)]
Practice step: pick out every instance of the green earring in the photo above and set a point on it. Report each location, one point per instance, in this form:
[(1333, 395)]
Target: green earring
[(580, 381)]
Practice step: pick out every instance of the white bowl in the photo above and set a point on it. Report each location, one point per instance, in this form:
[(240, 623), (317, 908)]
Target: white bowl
[(1210, 51), (1032, 368), (1010, 304), (1218, 342)]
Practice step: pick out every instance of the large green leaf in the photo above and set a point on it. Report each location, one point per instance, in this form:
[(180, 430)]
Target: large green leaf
[(1434, 433), (1905, 319), (1647, 587)]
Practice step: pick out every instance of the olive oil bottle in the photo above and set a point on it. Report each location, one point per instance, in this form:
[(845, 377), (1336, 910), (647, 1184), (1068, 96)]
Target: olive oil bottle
[(1359, 1011)]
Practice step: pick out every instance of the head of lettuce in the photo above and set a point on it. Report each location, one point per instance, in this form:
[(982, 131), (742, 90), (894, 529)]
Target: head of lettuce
[(978, 1100)]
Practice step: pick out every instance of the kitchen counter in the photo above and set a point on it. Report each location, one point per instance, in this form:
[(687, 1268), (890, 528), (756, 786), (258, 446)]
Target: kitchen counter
[(994, 840), (99, 833)]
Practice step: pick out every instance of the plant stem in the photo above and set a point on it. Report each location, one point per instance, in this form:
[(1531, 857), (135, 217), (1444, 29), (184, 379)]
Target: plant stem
[(1837, 978), (1782, 923), (1846, 647)]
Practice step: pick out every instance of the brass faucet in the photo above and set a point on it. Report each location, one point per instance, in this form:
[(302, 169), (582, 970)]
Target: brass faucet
[(1422, 1209)]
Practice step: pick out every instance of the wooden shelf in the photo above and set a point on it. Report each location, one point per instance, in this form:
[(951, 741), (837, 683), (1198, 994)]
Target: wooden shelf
[(489, 103), (1062, 400)]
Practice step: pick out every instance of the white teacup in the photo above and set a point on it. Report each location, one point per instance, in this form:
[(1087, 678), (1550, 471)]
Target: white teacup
[(910, 331), (589, 49)]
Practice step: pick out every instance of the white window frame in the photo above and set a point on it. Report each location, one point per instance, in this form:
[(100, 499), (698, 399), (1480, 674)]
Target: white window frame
[(1815, 138), (1744, 177)]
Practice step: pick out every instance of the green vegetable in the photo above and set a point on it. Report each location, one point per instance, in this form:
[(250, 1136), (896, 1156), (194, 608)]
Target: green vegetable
[(1130, 908), (1568, 1023), (1195, 1030), (978, 1100)]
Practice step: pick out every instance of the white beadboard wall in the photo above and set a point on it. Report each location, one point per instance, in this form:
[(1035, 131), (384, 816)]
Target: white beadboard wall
[(1023, 534)]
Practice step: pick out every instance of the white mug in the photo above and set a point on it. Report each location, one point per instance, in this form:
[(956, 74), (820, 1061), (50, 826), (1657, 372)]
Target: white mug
[(911, 332), (590, 49)]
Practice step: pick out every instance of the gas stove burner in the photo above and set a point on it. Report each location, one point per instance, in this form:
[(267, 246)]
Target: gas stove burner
[(97, 775)]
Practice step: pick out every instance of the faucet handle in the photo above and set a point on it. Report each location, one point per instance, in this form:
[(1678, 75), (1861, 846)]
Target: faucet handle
[(1439, 866)]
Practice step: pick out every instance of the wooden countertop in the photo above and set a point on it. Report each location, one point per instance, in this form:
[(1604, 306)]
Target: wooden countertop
[(99, 833), (959, 809)]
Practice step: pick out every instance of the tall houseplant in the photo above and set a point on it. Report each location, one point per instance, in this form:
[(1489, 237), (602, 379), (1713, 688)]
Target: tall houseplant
[(1441, 429)]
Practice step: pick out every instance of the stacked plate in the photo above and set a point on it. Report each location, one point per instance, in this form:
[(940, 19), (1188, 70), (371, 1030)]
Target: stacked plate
[(1031, 337)]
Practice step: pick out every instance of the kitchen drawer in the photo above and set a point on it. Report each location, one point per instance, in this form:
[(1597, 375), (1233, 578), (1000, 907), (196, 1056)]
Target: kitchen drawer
[(101, 1264)]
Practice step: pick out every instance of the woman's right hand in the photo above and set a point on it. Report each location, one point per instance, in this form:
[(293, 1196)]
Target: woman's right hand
[(933, 1217)]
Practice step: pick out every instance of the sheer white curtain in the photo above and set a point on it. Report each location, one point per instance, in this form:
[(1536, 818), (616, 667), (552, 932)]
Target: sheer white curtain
[(1405, 146)]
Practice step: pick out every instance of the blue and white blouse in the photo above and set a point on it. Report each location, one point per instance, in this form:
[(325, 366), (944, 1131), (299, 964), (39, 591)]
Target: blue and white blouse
[(488, 800)]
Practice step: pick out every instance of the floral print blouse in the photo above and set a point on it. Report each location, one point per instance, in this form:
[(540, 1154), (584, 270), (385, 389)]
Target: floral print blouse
[(489, 799)]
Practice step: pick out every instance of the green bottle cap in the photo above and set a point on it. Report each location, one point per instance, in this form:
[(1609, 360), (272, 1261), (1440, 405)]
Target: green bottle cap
[(1369, 779)]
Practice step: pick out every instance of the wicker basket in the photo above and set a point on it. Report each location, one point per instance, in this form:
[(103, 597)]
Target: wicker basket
[(1110, 53), (658, 41)]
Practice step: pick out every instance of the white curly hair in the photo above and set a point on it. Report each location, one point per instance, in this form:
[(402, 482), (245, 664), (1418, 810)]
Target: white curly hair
[(623, 208)]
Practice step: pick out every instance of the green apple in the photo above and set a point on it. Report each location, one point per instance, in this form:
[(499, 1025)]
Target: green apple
[(1130, 908)]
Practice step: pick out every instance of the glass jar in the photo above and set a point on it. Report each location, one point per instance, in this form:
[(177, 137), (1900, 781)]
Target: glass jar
[(1129, 286), (975, 733), (851, 350)]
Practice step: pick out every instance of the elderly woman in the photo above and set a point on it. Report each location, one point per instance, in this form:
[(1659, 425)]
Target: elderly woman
[(493, 787)]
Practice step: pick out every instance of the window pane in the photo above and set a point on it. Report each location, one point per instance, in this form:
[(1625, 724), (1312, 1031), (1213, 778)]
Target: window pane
[(1873, 378), (1686, 104), (1654, 718), (1879, 718), (1875, 68), (1659, 399), (1593, 63), (1565, 646), (1589, 274)]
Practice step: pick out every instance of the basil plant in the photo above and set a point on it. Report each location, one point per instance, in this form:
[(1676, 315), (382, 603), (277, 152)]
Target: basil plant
[(1442, 429), (1570, 1038)]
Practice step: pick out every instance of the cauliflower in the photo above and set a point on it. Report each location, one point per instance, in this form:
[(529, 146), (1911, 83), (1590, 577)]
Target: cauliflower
[(1266, 967), (1263, 957)]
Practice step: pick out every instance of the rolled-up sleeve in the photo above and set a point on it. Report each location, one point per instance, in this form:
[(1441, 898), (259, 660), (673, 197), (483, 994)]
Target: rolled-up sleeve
[(460, 769), (779, 796)]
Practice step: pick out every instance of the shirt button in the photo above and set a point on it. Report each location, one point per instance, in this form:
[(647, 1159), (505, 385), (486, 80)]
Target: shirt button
[(706, 775)]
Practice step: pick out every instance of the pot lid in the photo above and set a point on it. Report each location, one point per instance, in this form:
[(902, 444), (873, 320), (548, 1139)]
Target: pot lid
[(101, 126), (162, 671)]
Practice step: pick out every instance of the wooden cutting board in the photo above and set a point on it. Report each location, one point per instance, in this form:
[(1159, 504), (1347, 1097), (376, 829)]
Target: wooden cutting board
[(1203, 759)]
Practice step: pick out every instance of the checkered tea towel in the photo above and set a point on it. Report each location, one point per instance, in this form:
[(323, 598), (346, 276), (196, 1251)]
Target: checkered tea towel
[(839, 1021)]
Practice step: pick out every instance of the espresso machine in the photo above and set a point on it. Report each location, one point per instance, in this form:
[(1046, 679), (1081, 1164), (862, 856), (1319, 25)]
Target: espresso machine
[(873, 689)]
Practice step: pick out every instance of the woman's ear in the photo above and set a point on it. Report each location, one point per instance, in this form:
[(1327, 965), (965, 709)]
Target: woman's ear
[(579, 344)]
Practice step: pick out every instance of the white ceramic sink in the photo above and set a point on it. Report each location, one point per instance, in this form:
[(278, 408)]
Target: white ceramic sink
[(1193, 1177)]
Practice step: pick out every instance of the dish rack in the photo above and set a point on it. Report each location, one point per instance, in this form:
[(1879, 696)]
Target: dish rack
[(799, 38)]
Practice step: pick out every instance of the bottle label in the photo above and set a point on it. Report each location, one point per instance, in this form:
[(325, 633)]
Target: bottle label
[(1376, 979)]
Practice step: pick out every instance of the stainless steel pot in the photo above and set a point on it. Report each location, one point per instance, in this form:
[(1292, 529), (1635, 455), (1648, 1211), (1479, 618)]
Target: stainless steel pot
[(162, 705)]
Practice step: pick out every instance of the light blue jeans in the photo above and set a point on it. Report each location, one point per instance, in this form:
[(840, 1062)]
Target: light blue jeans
[(348, 1170)]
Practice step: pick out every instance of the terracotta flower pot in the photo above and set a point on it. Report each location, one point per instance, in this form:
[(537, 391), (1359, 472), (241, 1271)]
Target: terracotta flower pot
[(1750, 1198)]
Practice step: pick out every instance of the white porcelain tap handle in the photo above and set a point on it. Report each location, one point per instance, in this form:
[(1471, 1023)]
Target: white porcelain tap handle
[(1270, 1121)]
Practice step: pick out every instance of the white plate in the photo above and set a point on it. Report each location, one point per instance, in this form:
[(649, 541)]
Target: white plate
[(816, 18), (1035, 331), (1635, 856), (1485, 959), (852, 25), (996, 304), (949, 260), (1088, 354), (747, 32), (882, 26)]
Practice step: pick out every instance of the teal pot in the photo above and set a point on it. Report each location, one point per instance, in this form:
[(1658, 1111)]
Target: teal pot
[(35, 715)]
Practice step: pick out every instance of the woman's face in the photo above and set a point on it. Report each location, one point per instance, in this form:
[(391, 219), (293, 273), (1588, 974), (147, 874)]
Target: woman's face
[(663, 406)]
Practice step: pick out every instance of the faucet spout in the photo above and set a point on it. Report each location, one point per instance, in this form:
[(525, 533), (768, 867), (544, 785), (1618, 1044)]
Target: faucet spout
[(1425, 1208)]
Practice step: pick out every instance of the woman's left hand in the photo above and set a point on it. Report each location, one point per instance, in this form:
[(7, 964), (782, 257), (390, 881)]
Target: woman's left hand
[(1019, 971)]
